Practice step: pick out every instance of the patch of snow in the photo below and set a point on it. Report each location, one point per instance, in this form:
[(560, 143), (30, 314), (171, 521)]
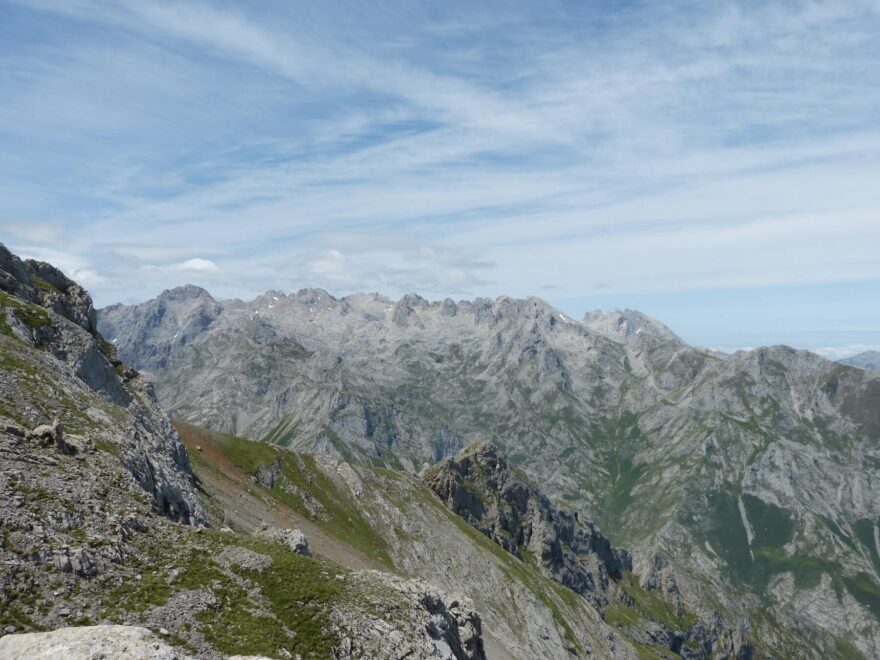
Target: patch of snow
[(745, 521)]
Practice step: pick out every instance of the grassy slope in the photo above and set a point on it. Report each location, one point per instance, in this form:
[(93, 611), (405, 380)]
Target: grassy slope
[(341, 519), (298, 474)]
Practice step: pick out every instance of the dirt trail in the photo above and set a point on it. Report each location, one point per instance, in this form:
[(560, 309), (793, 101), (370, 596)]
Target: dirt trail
[(247, 505)]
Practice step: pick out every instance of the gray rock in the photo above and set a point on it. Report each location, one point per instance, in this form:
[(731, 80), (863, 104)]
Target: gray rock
[(869, 360), (89, 643), (292, 538), (480, 486)]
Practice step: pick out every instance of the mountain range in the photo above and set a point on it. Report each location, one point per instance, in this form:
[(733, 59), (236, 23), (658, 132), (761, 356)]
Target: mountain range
[(360, 477), (747, 484)]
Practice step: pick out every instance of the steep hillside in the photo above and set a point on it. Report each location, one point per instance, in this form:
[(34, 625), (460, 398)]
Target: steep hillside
[(750, 482), (101, 520), (359, 513)]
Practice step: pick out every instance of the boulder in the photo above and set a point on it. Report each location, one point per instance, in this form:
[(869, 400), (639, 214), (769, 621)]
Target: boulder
[(47, 435), (88, 643), (293, 538)]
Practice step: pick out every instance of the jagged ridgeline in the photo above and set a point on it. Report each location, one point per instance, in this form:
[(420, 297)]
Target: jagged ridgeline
[(744, 487)]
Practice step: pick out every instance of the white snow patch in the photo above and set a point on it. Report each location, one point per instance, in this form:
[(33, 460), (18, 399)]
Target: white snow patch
[(745, 520)]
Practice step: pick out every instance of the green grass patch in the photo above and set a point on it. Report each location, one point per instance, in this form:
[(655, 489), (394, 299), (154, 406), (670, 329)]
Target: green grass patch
[(40, 283), (300, 594), (340, 516), (33, 316), (283, 433), (108, 447), (864, 589), (845, 650), (652, 605), (248, 455), (864, 529)]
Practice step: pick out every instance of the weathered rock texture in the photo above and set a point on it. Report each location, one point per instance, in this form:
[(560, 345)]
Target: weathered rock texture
[(422, 622), (89, 643), (56, 365), (482, 488)]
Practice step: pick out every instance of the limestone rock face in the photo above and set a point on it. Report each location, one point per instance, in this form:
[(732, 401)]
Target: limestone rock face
[(89, 643), (38, 282), (429, 624), (480, 486), (625, 326)]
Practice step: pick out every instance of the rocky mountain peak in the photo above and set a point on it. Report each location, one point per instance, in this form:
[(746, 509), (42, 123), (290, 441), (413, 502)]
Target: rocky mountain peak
[(183, 293), (868, 360), (44, 284), (626, 325)]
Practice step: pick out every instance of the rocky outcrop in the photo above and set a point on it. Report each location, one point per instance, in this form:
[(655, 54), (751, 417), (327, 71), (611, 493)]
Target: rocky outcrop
[(425, 623), (292, 538), (627, 326), (62, 365), (89, 643), (51, 435), (480, 486), (42, 283)]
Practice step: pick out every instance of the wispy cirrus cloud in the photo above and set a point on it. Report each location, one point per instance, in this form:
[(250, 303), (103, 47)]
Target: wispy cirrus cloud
[(466, 150)]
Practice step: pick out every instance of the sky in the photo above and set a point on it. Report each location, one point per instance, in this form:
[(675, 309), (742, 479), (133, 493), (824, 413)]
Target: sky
[(713, 164)]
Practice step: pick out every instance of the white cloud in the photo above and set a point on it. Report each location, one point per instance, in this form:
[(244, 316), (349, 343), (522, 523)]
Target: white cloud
[(194, 265), (331, 265), (197, 265)]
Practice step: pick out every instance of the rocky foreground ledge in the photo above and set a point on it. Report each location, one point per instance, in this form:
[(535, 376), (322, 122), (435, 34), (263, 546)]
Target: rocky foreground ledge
[(87, 643)]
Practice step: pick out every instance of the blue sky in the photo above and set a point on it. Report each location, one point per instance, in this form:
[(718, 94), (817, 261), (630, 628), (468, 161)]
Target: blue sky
[(716, 165)]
